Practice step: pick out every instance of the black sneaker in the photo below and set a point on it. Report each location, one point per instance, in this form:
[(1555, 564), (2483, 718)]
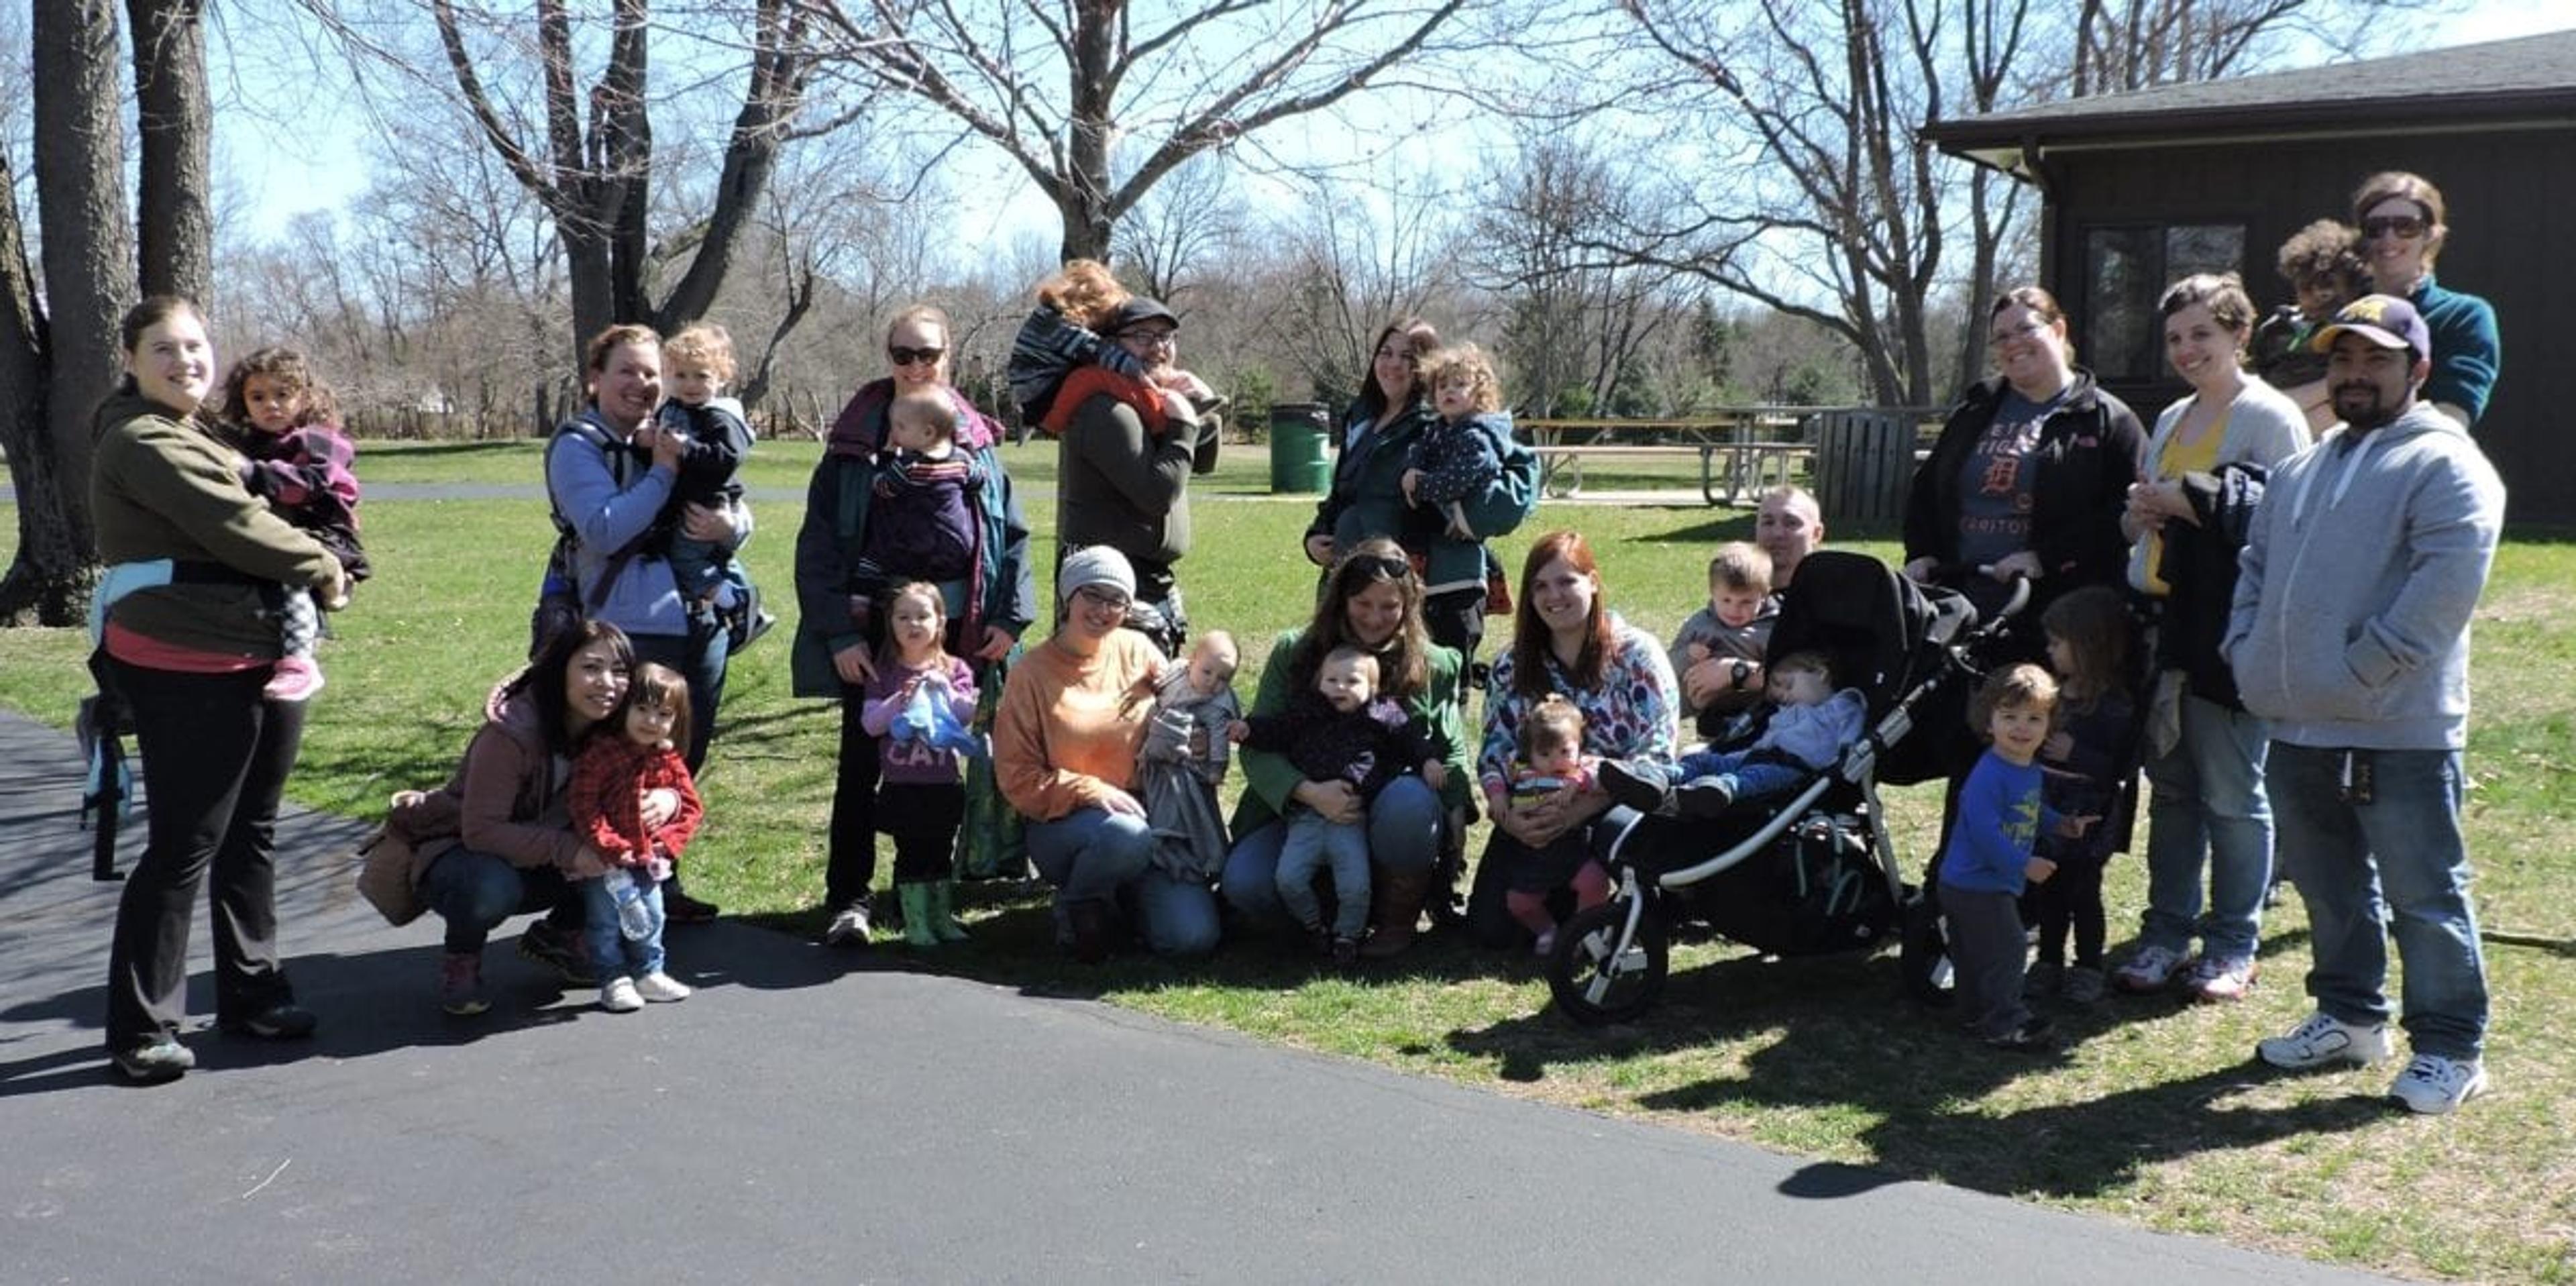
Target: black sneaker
[(1645, 787), (560, 950), (283, 1021), (2034, 1036), (154, 1061), (1704, 797), (1345, 952)]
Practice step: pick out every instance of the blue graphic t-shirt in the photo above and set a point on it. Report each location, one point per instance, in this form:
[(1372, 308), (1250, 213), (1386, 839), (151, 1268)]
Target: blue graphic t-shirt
[(1994, 482), (2000, 817)]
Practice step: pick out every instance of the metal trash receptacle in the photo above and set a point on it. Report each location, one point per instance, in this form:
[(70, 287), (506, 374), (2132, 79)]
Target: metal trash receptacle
[(1299, 462)]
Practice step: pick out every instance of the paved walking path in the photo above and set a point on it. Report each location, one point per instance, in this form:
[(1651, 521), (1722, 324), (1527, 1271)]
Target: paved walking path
[(803, 1119)]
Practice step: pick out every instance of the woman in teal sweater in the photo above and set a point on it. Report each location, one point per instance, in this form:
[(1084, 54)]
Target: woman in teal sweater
[(1372, 601)]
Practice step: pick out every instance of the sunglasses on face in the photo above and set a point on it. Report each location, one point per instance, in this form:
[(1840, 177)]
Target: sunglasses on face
[(1381, 566), (2401, 226), (907, 356)]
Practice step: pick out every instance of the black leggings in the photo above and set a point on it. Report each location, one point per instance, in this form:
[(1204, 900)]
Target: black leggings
[(2071, 899), (850, 862), (923, 817), (215, 760)]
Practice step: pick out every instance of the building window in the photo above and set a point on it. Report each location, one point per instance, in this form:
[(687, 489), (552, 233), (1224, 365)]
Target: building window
[(2126, 270)]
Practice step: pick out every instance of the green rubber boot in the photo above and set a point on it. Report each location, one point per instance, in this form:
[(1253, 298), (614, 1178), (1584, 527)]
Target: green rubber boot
[(943, 912), (917, 915)]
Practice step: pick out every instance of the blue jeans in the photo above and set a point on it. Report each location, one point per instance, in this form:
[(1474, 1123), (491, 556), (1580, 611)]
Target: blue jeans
[(1313, 844), (1096, 855), (1404, 824), (2402, 849), (611, 951), (474, 892), (1754, 778), (2207, 799)]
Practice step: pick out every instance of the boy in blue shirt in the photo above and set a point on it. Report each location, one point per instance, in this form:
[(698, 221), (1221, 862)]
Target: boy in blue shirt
[(1988, 860)]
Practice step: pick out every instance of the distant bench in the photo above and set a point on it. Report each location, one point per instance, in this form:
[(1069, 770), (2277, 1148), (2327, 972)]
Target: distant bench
[(1747, 469)]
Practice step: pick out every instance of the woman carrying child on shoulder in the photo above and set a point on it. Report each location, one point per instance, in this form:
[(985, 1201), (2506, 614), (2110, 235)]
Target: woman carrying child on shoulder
[(625, 757), (1131, 427), (1717, 654), (282, 419), (1341, 729), (2085, 766), (909, 481), (921, 706)]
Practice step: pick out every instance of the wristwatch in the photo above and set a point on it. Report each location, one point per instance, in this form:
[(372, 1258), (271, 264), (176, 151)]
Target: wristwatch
[(1743, 671)]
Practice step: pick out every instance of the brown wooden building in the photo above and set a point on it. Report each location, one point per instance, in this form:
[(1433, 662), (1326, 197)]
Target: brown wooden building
[(2142, 188)]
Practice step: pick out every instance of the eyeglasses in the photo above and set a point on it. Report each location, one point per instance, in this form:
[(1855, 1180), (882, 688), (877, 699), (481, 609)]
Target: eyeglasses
[(1103, 598), (1147, 338), (907, 356), (2011, 333), (2402, 227)]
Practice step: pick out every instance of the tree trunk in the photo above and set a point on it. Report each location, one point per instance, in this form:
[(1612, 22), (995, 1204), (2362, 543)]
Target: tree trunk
[(175, 225), (48, 581), (88, 248)]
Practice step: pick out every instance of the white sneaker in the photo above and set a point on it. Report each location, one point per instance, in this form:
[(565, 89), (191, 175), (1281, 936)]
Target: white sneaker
[(661, 988), (618, 996), (2323, 1040), (2433, 1085), (2152, 969)]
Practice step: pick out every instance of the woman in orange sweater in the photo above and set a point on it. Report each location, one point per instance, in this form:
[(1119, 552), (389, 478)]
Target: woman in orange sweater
[(1073, 714)]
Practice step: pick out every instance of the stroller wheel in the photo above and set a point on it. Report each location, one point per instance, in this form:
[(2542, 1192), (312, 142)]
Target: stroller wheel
[(1923, 954), (1598, 979)]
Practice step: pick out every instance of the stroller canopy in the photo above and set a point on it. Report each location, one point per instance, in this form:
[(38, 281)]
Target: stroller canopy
[(1884, 633)]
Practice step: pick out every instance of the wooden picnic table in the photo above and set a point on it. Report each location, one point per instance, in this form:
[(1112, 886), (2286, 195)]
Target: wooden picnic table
[(1742, 452)]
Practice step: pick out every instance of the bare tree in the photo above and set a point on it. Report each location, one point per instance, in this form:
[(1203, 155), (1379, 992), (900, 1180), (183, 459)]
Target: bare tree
[(1176, 228), (63, 355), (1060, 88), (1575, 321), (592, 165), (1350, 267), (177, 235)]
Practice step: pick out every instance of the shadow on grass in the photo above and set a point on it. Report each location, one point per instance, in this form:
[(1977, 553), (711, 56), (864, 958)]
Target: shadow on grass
[(1830, 1037)]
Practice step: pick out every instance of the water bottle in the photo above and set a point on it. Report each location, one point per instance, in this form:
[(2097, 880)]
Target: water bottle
[(634, 918)]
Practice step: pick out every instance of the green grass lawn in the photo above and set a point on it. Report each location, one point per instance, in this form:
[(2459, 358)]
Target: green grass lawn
[(2154, 1117)]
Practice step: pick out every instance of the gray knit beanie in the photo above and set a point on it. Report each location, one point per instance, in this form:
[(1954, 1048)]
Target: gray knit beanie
[(1093, 565)]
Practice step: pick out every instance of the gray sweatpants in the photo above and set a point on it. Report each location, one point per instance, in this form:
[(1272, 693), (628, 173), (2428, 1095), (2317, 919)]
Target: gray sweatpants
[(1987, 952)]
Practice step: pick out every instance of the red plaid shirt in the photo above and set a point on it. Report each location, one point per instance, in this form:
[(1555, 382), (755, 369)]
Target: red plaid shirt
[(608, 785)]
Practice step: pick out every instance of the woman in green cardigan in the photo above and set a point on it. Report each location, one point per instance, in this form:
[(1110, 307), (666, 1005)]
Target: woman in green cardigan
[(1371, 600)]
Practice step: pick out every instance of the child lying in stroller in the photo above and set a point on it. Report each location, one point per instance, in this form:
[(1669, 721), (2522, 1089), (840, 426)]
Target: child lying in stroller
[(1810, 724)]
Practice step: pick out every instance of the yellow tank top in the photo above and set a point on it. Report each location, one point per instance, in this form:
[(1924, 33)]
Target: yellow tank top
[(2172, 461)]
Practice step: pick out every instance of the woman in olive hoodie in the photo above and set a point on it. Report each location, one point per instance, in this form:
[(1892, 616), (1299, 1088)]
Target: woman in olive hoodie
[(195, 566)]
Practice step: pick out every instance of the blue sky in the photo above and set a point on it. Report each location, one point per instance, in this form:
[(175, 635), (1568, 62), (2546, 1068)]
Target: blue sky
[(306, 150)]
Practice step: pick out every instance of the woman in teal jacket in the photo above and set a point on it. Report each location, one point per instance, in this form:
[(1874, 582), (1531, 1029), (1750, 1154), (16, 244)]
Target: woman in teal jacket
[(1367, 498)]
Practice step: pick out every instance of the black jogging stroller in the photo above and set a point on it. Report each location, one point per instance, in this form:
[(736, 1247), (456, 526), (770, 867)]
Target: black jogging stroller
[(1815, 871)]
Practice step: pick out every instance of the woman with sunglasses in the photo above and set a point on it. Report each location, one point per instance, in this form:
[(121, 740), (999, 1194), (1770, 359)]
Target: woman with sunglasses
[(1566, 642), (2402, 230), (1126, 449), (2030, 475), (838, 591), (1371, 601), (1073, 715)]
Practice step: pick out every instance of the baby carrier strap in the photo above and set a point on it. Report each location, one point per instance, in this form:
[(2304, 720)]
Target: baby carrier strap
[(620, 459)]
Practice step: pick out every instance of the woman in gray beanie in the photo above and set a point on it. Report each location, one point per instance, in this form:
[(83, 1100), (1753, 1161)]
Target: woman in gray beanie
[(1072, 717)]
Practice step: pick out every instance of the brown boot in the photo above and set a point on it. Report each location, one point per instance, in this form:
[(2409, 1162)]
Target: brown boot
[(1395, 912)]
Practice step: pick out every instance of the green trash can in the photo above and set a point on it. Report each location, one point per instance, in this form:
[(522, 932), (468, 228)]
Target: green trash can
[(1298, 463)]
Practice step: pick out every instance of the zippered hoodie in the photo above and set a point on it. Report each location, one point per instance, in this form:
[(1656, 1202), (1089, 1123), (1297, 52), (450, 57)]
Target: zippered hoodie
[(162, 487), (2350, 628)]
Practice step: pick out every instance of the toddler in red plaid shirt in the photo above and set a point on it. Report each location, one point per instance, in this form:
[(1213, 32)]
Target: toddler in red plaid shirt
[(629, 755)]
